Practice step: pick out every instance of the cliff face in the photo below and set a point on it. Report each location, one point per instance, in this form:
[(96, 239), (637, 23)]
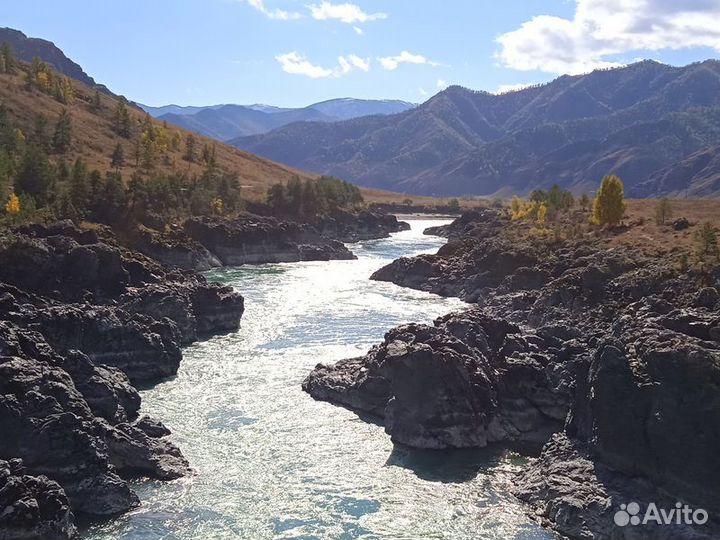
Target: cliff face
[(81, 321), (603, 359)]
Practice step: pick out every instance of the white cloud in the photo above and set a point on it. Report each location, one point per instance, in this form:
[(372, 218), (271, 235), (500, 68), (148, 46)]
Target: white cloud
[(441, 84), (351, 62), (347, 13), (359, 31), (392, 62), (274, 13), (505, 88), (603, 28), (296, 64)]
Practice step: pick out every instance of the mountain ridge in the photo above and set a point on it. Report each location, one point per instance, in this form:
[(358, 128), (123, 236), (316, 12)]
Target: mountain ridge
[(462, 141), (26, 48), (228, 121)]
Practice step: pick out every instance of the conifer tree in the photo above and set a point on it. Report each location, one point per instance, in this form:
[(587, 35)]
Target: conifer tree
[(62, 138), (190, 148), (7, 59), (34, 175), (118, 157), (121, 120)]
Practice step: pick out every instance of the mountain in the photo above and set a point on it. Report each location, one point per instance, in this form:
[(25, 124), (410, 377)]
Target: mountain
[(174, 109), (639, 121), (225, 122), (26, 48), (230, 121), (94, 140), (348, 108)]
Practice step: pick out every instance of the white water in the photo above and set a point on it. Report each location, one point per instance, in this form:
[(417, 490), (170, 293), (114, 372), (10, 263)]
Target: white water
[(271, 462)]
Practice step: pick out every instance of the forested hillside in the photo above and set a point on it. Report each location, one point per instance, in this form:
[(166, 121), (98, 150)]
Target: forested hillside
[(638, 122), (74, 150)]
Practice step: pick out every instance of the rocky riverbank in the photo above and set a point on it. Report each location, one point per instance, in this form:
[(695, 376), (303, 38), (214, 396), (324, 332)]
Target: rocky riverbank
[(204, 243), (602, 358), (81, 321)]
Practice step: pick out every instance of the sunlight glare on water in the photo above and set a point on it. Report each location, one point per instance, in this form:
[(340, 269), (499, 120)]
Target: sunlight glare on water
[(271, 462)]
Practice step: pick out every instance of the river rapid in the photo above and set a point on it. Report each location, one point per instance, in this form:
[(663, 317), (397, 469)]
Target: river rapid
[(272, 463)]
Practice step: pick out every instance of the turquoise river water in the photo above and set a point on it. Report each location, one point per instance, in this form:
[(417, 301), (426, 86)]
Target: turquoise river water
[(272, 463)]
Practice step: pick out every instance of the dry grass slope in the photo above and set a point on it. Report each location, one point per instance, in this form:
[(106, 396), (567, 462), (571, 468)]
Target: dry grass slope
[(94, 140)]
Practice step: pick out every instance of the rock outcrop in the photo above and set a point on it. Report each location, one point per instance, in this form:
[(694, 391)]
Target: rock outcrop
[(467, 381), (32, 507), (605, 357), (204, 243), (81, 320)]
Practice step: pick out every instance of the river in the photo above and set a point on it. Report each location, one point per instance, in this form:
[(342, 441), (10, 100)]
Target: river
[(272, 463)]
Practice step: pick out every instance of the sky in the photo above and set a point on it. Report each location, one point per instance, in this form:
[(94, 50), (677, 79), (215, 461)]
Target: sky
[(296, 52)]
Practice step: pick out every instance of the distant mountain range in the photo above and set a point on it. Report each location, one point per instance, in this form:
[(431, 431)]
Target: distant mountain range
[(229, 121), (655, 125)]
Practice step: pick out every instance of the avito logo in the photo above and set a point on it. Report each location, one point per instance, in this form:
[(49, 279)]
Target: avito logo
[(682, 514)]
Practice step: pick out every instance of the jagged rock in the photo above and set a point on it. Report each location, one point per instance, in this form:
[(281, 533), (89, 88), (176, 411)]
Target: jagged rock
[(80, 319), (707, 297), (133, 452), (623, 366), (450, 385), (175, 249), (254, 239), (354, 227), (572, 493), (32, 507), (40, 409), (680, 224), (106, 390)]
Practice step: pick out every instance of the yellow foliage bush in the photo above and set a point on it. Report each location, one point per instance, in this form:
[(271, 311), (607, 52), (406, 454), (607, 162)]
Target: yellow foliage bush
[(13, 205)]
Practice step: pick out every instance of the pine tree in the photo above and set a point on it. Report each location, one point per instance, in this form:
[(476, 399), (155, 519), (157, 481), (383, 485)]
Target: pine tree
[(707, 243), (121, 120), (39, 136), (118, 157), (62, 138), (7, 60), (34, 176), (609, 204), (79, 191), (190, 148)]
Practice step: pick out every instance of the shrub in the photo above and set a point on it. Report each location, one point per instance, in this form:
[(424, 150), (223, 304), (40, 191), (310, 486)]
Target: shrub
[(663, 211), (706, 244)]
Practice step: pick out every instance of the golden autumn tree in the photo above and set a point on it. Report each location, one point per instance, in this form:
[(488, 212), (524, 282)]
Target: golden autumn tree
[(609, 203), (13, 205)]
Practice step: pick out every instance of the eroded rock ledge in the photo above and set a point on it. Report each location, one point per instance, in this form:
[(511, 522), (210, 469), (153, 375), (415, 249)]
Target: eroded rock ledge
[(204, 243), (81, 321), (606, 358)]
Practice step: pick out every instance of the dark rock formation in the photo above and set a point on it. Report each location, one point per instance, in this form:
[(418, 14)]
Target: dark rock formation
[(80, 320), (354, 227), (32, 507), (680, 224), (568, 490), (608, 356), (253, 240), (204, 243), (467, 381)]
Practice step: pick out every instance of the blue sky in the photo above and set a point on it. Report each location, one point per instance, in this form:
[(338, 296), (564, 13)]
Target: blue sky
[(295, 52)]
